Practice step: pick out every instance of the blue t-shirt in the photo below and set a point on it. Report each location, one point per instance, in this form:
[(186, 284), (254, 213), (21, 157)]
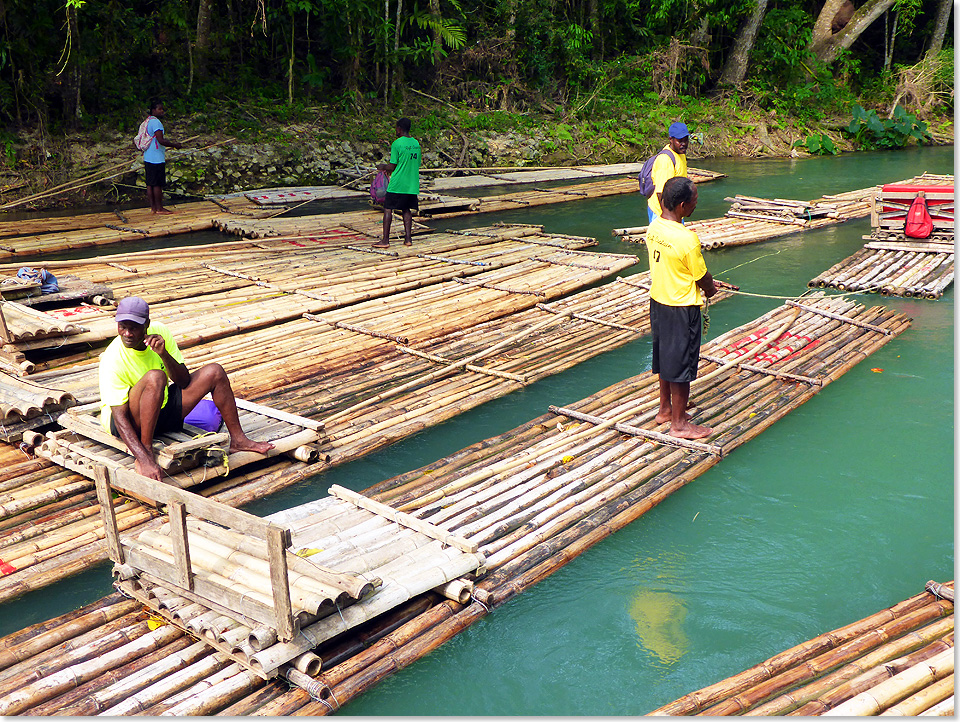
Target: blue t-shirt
[(156, 153)]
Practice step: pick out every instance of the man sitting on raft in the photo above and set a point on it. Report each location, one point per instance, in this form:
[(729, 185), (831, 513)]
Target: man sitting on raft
[(136, 400), (678, 275)]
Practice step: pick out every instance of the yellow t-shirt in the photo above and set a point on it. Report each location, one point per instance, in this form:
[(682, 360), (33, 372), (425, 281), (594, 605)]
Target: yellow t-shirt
[(676, 263), (121, 368), (663, 170)]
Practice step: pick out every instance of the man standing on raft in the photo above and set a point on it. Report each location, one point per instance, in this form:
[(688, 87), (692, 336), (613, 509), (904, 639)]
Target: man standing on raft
[(136, 401), (671, 162), (404, 187), (155, 159), (677, 276)]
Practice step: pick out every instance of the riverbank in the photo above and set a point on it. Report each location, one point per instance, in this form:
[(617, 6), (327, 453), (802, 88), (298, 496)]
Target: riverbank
[(241, 148)]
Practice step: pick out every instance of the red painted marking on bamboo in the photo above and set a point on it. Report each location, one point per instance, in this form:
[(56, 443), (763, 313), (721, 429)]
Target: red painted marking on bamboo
[(6, 568)]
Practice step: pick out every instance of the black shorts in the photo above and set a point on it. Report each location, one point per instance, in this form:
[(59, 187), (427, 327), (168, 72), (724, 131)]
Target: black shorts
[(155, 173), (676, 334), (171, 414), (401, 202)]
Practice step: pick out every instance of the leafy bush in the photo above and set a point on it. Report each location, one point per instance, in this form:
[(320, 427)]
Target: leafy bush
[(818, 144), (870, 131)]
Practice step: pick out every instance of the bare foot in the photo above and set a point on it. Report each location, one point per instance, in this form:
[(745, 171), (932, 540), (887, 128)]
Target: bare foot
[(691, 431), (163, 211), (408, 243), (245, 444), (380, 244), (664, 417)]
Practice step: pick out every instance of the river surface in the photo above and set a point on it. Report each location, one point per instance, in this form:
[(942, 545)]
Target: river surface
[(843, 508)]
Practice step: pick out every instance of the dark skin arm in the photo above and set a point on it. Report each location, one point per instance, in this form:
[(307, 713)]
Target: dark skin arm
[(707, 285), (178, 372), (168, 143), (387, 167)]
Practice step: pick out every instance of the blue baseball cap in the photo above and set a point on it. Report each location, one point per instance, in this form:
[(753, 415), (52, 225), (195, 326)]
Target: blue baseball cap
[(133, 309), (678, 130)]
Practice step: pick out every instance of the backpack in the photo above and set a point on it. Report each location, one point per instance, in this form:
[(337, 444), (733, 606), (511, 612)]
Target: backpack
[(143, 139), (646, 172), (918, 224), (378, 187)]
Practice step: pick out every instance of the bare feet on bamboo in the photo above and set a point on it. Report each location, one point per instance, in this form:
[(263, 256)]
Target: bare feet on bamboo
[(246, 444), (690, 431), (665, 416), (380, 244)]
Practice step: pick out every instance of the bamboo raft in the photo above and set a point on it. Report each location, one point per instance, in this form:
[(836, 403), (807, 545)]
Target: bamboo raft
[(203, 299), (778, 217), (51, 235), (899, 661), (910, 269), (530, 499)]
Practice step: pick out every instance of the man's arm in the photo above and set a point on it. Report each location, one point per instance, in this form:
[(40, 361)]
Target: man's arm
[(145, 463), (178, 372), (706, 285), (163, 141), (387, 167)]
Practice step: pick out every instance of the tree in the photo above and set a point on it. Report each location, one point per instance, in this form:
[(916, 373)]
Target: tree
[(826, 45), (940, 26), (735, 69)]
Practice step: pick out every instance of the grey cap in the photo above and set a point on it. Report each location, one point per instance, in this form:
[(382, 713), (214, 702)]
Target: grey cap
[(133, 308)]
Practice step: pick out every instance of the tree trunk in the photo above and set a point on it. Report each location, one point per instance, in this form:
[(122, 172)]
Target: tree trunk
[(822, 31), (593, 12), (202, 44), (889, 40), (940, 26), (735, 69), (826, 50), (435, 14), (397, 70)]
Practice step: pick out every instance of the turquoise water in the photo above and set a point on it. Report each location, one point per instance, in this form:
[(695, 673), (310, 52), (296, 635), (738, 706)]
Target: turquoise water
[(840, 509)]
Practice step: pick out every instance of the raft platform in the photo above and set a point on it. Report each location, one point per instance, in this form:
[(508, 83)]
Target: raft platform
[(892, 263), (898, 661), (531, 500)]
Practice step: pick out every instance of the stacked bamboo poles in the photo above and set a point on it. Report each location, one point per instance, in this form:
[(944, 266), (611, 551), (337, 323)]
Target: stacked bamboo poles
[(535, 497), (21, 399), (736, 231), (281, 287), (902, 654), (418, 314), (910, 270)]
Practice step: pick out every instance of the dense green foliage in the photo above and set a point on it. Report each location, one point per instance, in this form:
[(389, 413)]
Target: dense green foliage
[(871, 131), (92, 61)]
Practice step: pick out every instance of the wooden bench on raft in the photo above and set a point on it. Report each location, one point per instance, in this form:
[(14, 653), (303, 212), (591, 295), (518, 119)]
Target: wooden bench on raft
[(232, 579), (220, 573), (84, 444), (888, 212)]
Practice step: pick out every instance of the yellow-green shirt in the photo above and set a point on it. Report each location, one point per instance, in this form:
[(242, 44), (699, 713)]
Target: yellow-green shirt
[(663, 170), (121, 368), (676, 263)]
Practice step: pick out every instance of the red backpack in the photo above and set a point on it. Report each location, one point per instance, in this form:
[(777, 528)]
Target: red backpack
[(919, 224)]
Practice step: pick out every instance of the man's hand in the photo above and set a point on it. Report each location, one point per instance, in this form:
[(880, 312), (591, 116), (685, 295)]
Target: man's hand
[(150, 469), (155, 341)]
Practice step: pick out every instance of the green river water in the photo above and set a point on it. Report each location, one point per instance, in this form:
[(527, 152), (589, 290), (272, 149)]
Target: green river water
[(844, 507)]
